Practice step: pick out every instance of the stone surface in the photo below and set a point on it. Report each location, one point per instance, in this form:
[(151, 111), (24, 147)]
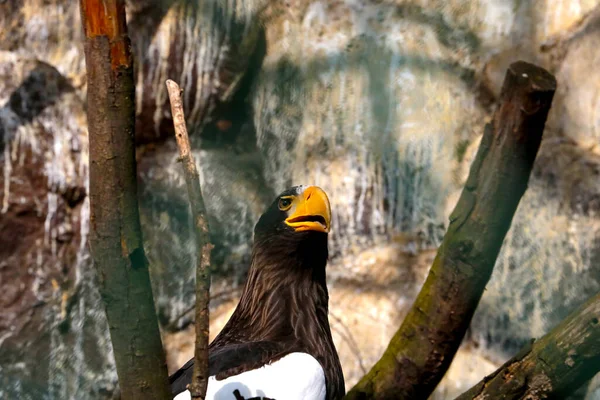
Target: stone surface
[(210, 48), (52, 329), (380, 103), (49, 31), (370, 103), (576, 114)]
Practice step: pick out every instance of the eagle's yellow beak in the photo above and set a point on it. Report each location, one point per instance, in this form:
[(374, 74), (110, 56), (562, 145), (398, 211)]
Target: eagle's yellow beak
[(310, 211)]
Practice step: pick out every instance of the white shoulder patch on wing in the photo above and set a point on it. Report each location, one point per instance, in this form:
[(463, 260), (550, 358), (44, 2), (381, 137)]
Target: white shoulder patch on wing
[(297, 376)]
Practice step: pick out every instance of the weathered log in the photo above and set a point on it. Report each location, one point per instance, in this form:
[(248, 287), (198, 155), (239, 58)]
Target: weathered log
[(203, 245), (423, 347), (115, 232), (552, 367)]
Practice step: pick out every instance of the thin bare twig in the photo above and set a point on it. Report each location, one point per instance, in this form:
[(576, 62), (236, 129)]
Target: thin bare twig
[(204, 247)]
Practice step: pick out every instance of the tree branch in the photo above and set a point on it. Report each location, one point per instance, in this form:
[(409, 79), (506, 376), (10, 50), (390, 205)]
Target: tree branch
[(115, 237), (204, 247), (552, 367), (421, 350)]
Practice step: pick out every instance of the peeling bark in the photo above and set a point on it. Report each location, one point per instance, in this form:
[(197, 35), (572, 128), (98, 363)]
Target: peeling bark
[(203, 245), (421, 350), (552, 367), (115, 233)]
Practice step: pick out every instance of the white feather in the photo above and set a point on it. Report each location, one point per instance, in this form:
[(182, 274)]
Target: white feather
[(297, 376)]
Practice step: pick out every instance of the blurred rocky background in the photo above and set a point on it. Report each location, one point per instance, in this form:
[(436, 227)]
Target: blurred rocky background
[(382, 103)]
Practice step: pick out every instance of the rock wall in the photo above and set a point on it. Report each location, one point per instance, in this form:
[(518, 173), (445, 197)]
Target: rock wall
[(53, 333), (382, 103)]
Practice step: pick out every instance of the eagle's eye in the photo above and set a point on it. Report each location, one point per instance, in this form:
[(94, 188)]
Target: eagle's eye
[(285, 203)]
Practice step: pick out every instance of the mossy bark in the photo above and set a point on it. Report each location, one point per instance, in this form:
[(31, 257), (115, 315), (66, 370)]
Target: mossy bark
[(115, 233), (421, 350), (552, 367)]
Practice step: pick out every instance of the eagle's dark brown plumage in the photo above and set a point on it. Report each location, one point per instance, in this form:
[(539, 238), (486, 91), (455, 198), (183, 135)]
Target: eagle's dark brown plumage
[(284, 304)]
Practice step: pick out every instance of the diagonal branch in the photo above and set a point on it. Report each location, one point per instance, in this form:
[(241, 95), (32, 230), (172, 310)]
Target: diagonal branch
[(115, 231), (204, 247), (552, 367), (421, 350)]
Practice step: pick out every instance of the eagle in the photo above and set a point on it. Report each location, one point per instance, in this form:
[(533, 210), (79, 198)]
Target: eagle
[(277, 343)]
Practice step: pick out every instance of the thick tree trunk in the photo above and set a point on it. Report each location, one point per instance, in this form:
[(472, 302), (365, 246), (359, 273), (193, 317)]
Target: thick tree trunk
[(115, 237), (552, 367), (203, 245), (421, 350)]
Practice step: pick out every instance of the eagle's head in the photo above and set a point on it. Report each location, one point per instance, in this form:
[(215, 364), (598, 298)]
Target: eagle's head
[(298, 209), (295, 227)]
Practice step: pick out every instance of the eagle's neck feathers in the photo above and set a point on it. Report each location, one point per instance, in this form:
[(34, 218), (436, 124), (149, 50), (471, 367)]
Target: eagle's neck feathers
[(285, 296), (285, 299)]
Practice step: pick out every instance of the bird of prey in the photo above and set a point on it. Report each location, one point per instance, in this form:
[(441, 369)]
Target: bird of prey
[(277, 343)]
